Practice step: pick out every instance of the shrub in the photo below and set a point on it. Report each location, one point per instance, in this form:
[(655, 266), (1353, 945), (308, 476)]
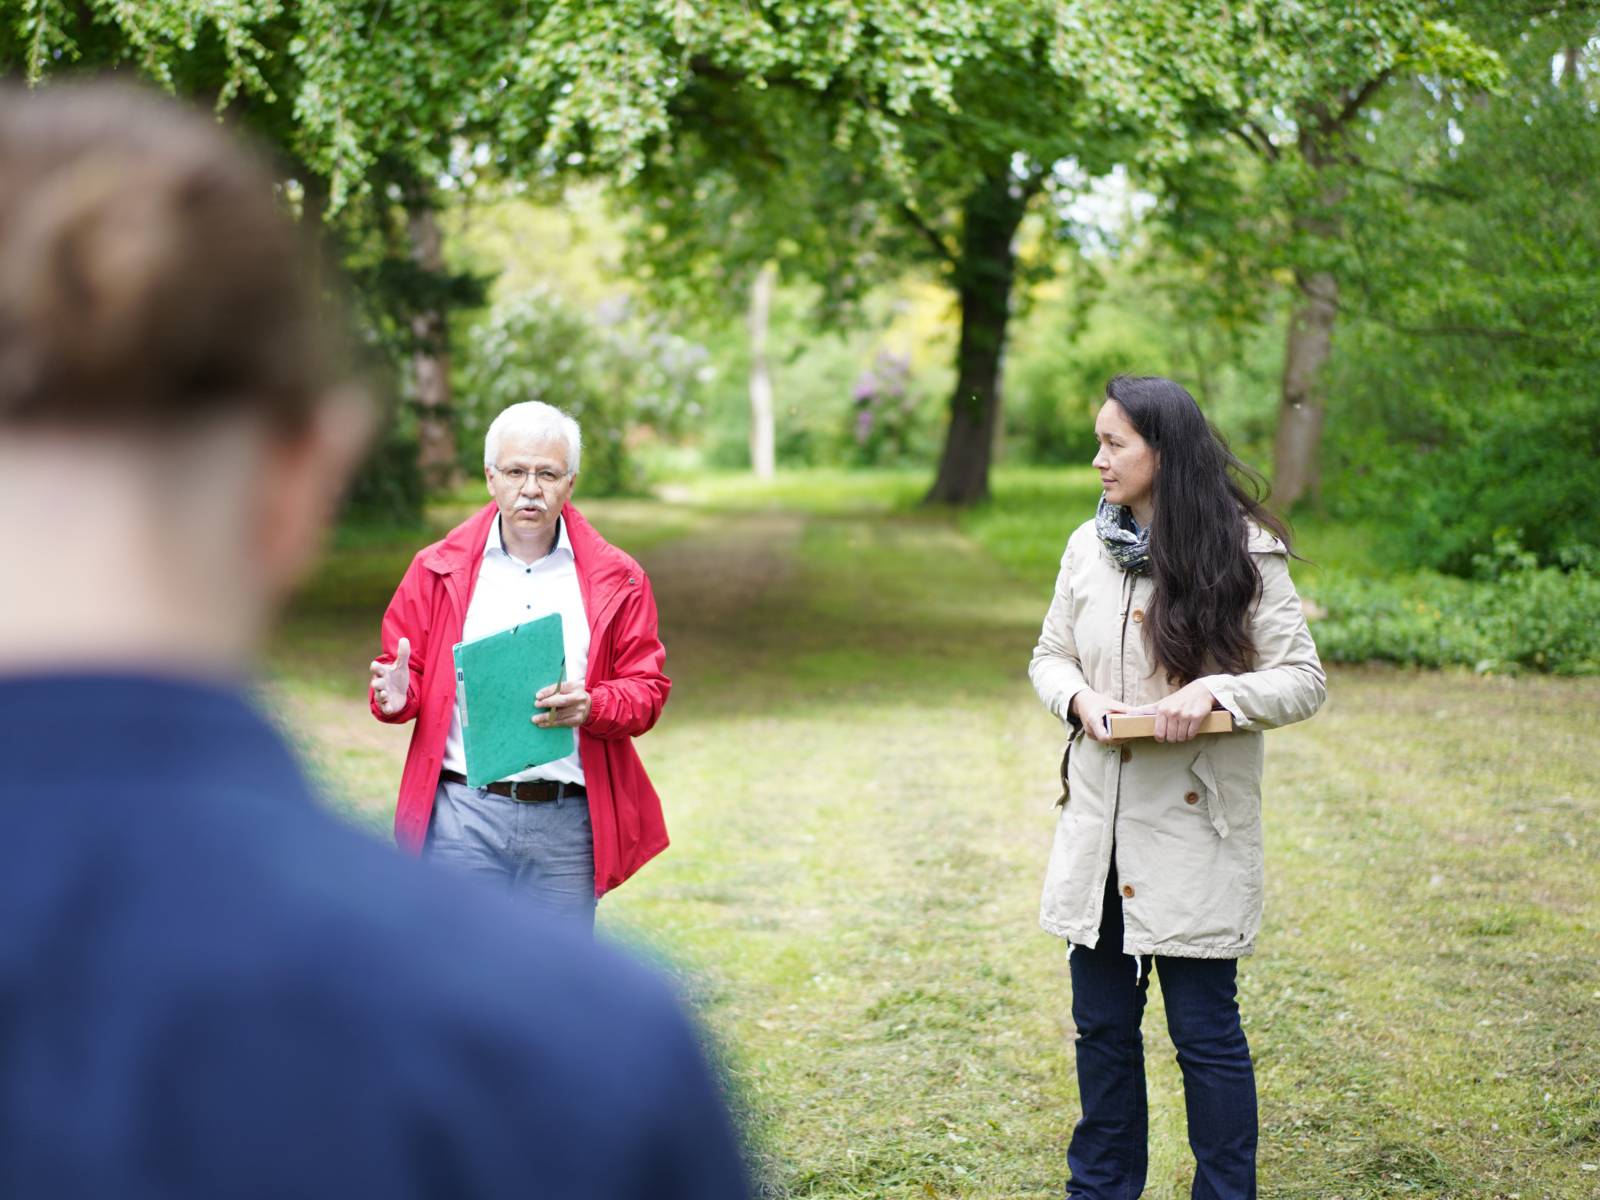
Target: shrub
[(1520, 616), (387, 489), (884, 412), (610, 371), (1452, 486)]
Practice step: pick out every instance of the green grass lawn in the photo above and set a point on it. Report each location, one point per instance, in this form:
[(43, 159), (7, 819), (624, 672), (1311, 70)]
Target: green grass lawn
[(859, 784), (1025, 525)]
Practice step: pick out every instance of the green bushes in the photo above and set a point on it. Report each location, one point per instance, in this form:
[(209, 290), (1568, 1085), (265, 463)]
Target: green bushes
[(1515, 615), (1520, 617), (884, 412), (387, 489), (1450, 480), (1464, 400), (610, 371)]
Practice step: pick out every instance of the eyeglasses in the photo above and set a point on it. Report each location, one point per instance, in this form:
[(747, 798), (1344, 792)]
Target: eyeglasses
[(545, 477)]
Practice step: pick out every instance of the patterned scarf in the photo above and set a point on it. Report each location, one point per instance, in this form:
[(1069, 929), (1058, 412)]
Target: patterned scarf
[(1127, 544)]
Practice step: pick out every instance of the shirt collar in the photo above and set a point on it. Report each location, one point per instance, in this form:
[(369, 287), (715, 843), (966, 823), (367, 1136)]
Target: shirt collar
[(493, 545)]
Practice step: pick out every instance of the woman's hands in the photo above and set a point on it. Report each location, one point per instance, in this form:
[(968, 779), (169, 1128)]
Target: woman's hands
[(1178, 716), (1092, 707)]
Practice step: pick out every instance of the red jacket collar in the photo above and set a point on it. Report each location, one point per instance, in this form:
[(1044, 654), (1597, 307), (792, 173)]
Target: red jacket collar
[(600, 564)]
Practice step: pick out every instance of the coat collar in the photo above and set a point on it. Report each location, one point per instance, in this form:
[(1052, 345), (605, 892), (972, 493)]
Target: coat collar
[(1262, 541), (462, 548), (601, 565)]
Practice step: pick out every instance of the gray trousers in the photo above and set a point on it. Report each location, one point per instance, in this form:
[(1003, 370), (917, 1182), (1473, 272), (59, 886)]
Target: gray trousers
[(543, 850)]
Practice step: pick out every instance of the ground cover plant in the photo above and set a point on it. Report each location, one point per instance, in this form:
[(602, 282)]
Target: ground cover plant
[(859, 785)]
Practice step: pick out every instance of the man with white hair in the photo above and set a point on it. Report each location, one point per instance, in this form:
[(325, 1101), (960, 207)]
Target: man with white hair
[(567, 831)]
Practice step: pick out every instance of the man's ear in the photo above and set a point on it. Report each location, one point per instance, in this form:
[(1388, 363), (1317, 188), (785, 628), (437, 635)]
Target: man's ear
[(304, 476)]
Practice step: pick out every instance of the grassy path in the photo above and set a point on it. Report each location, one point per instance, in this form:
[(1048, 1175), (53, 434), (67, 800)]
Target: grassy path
[(859, 786)]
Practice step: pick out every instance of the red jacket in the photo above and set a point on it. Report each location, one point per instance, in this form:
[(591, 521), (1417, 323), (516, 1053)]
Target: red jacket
[(626, 686)]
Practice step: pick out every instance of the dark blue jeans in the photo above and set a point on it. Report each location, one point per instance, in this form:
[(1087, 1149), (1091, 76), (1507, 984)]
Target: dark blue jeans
[(1108, 1154)]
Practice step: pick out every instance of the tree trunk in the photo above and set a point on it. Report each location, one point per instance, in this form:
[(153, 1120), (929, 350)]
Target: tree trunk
[(430, 357), (313, 217), (1297, 446), (1297, 443), (983, 278), (762, 435)]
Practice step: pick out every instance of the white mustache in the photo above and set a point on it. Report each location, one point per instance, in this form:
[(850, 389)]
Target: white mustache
[(535, 505)]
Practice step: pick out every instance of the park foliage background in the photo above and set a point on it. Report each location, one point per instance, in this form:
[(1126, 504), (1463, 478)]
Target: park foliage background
[(835, 287), (820, 232)]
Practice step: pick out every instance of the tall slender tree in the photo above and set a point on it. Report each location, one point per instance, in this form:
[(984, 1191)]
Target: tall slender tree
[(1299, 88)]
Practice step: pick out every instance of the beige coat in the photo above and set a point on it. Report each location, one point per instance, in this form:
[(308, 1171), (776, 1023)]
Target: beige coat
[(1186, 816)]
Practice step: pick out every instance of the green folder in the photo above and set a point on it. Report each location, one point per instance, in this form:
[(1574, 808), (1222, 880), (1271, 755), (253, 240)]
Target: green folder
[(497, 678)]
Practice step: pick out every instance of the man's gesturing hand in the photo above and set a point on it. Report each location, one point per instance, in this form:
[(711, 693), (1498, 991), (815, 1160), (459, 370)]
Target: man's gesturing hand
[(566, 705), (389, 683)]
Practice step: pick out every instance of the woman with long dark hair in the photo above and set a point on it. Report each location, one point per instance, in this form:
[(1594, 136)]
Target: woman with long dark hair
[(1175, 600)]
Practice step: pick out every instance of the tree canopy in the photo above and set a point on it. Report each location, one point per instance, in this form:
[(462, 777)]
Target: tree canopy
[(1343, 167)]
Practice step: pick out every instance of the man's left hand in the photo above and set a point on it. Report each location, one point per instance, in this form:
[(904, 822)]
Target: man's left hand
[(566, 705)]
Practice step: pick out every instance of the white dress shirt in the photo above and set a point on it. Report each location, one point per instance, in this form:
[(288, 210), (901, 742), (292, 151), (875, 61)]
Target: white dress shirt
[(511, 592)]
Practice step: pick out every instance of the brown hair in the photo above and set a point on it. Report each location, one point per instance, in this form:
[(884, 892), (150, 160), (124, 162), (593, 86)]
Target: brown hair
[(149, 278)]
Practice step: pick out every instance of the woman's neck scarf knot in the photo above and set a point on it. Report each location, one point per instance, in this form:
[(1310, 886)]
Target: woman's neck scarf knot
[(1124, 540)]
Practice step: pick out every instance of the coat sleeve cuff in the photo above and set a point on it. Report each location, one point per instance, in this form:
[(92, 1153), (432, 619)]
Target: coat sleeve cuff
[(1069, 718), (599, 698), (1222, 687)]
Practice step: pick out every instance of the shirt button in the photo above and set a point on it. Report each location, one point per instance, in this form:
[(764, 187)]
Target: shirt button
[(1138, 614), (1191, 797), (1127, 891), (1127, 753)]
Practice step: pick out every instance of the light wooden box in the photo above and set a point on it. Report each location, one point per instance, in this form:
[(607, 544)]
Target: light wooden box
[(1143, 725)]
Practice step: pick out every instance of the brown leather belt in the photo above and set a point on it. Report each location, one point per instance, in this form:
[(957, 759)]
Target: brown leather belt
[(532, 791)]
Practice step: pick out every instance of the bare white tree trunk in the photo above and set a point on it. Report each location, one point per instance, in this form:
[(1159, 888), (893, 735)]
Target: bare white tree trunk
[(763, 454)]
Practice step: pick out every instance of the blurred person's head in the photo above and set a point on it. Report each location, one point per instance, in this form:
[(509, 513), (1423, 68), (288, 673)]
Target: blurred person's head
[(171, 440)]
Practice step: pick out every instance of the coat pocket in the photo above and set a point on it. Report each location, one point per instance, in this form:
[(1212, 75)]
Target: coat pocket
[(1205, 777)]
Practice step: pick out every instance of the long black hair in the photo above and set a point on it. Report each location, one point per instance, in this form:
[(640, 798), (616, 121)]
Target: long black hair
[(1205, 580)]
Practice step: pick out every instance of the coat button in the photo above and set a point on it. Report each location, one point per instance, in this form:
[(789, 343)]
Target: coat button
[(1191, 797), (1137, 614), (1127, 753), (1127, 891)]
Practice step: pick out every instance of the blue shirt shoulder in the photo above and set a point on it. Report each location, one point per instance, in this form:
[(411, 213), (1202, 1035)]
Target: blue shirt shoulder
[(209, 986)]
